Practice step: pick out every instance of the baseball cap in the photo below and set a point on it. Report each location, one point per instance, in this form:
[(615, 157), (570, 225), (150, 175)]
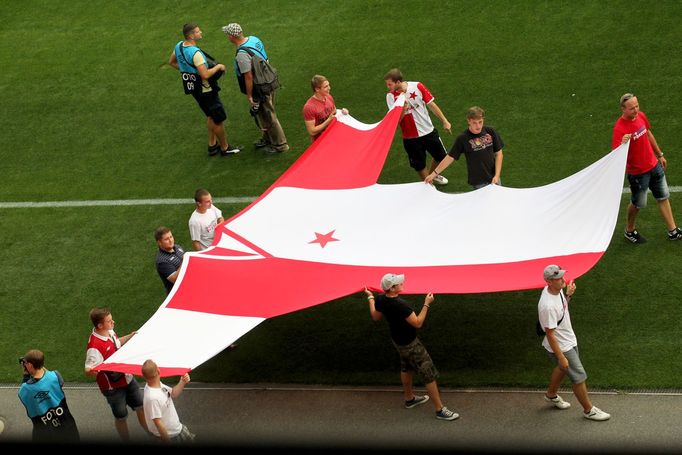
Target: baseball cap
[(391, 279), (233, 29), (553, 272)]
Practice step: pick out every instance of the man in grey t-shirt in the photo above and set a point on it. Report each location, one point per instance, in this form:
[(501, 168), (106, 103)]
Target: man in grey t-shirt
[(262, 105)]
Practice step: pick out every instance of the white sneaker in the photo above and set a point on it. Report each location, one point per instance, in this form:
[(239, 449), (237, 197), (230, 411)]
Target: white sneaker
[(440, 180), (558, 402), (596, 414)]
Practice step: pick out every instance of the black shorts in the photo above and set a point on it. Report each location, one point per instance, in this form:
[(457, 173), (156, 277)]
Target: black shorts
[(211, 105), (417, 147)]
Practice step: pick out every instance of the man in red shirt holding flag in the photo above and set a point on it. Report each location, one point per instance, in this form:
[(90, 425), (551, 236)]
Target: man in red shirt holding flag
[(645, 168)]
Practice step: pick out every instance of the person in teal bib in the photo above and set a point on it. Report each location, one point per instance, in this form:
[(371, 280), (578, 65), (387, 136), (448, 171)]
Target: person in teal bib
[(43, 397), (199, 79)]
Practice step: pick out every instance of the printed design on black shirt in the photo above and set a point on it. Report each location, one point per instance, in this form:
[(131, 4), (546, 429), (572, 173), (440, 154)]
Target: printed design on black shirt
[(481, 143)]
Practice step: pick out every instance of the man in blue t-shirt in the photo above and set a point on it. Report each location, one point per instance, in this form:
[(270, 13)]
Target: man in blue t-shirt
[(169, 257), (42, 395), (199, 79), (403, 324)]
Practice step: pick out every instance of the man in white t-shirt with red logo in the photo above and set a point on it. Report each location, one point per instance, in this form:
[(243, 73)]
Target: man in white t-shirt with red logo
[(204, 220), (419, 134)]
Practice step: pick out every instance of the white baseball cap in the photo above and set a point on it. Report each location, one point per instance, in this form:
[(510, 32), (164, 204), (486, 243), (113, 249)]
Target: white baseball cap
[(391, 279)]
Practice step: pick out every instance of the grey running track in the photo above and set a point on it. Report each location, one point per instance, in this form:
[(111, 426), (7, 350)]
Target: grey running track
[(297, 419)]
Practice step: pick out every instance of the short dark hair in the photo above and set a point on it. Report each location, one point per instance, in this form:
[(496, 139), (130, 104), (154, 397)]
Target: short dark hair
[(394, 74), (97, 315), (188, 28), (35, 358), (201, 192), (160, 232)]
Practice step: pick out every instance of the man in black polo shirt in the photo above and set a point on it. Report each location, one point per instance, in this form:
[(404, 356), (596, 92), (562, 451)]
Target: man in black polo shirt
[(169, 258), (403, 324)]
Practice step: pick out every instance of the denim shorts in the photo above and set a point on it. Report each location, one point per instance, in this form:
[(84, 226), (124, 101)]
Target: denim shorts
[(119, 399), (654, 180), (576, 371), (414, 357)]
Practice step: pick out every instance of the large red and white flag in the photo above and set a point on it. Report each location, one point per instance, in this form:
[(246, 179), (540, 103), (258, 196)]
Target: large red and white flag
[(326, 229)]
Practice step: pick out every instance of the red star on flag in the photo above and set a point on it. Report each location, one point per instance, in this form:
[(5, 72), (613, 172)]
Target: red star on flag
[(323, 239), (413, 95)]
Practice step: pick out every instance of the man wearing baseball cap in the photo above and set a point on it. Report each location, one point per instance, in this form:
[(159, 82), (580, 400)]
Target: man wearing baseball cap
[(403, 324), (561, 343)]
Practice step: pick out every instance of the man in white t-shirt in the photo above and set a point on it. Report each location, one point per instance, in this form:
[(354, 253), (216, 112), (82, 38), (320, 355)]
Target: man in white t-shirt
[(419, 134), (204, 220), (561, 343), (159, 410)]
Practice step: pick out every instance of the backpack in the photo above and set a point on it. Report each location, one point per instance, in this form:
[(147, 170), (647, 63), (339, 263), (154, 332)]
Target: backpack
[(265, 77)]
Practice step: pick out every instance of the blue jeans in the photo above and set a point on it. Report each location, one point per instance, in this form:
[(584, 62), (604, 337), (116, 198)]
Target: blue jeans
[(654, 180)]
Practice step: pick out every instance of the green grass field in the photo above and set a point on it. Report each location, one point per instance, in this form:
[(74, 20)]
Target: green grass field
[(92, 111)]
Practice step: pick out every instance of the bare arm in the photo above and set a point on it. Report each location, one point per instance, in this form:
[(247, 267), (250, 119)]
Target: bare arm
[(197, 247), (125, 339), (436, 110), (554, 344), (206, 73), (499, 156), (445, 162), (314, 130), (248, 83), (173, 61), (417, 321), (180, 386), (163, 433), (375, 315), (657, 149)]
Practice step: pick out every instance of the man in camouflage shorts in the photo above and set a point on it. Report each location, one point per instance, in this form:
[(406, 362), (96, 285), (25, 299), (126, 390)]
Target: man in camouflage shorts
[(403, 324)]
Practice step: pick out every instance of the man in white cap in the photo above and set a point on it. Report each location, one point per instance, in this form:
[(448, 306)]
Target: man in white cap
[(262, 105), (561, 343), (403, 324)]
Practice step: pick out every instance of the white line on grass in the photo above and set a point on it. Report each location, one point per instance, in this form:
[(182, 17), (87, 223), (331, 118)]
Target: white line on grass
[(126, 202), (120, 202)]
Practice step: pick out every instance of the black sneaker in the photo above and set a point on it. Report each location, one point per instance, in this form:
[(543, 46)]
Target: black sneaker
[(446, 414), (260, 143), (635, 237), (675, 234), (416, 401), (231, 150), (213, 149)]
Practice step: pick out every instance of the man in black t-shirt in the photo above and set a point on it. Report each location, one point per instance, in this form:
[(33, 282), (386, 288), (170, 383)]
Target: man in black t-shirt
[(403, 324), (169, 258), (482, 147)]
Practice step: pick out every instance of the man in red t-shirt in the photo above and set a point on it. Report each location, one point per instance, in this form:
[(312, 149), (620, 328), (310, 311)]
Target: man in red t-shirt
[(319, 111), (645, 168)]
